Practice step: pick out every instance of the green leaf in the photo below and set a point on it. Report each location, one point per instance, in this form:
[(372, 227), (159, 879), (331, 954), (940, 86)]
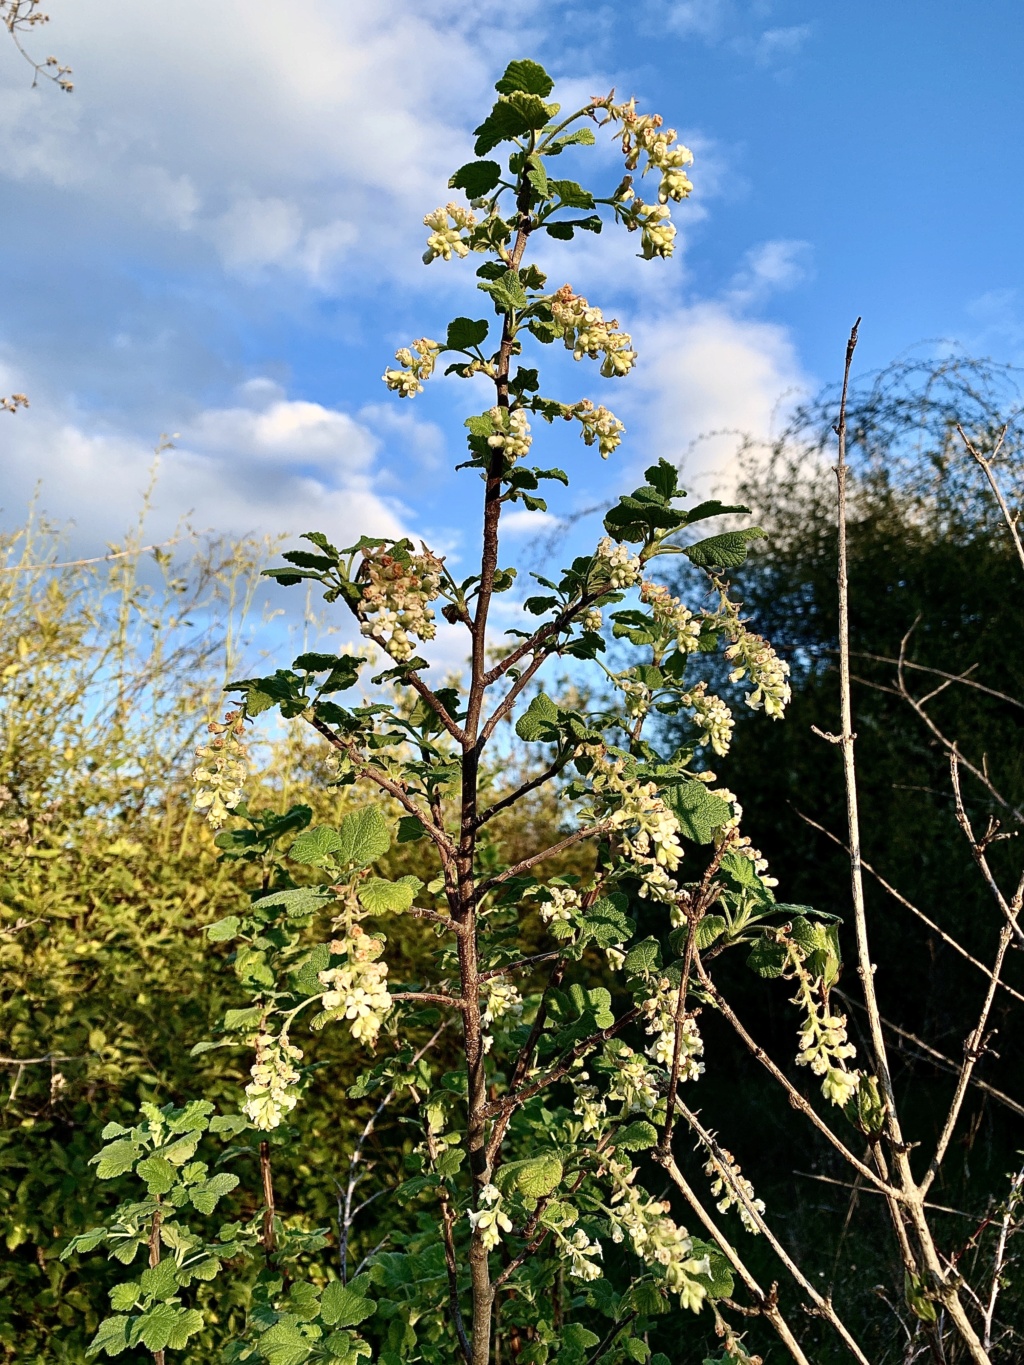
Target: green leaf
[(636, 1137), (513, 115), (300, 900), (160, 1281), (165, 1326), (573, 196), (713, 508), (637, 1350), (341, 1307), (719, 1283), (477, 178), (284, 1344), (364, 837), (534, 1178), (767, 958), (223, 929), (111, 1337), (525, 75), (313, 845), (643, 958), (727, 551), (116, 1158), (379, 896), (205, 1197), (410, 829), (464, 333), (506, 291), (158, 1173), (237, 1020), (124, 1297), (699, 812), (539, 721)]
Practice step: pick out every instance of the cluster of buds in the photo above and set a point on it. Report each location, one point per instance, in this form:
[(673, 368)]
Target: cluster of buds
[(490, 1220), (272, 1092), (636, 695), (358, 990), (450, 227), (643, 134), (823, 1042), (600, 426), (396, 595), (223, 768), (656, 1238), (511, 433), (615, 562), (417, 362), (634, 1086), (711, 716), (731, 1187), (586, 333), (592, 619), (657, 231), (673, 622)]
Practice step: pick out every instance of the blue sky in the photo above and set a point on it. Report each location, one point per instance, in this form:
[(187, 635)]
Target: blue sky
[(218, 234)]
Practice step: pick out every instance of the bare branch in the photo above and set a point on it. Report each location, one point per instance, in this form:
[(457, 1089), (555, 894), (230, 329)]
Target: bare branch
[(589, 833)]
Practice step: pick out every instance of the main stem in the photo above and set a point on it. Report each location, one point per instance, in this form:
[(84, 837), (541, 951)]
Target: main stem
[(464, 902)]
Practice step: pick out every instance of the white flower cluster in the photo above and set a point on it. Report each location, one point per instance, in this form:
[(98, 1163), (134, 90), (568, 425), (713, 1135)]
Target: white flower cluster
[(615, 562), (636, 695), (769, 675), (223, 768), (672, 619), (824, 1046), (657, 231), (656, 1238), (417, 362), (396, 595), (644, 134), (358, 990), (588, 1105), (592, 619), (500, 1000), (450, 226), (634, 1086), (731, 1187), (586, 333), (582, 1253), (564, 900), (599, 425), (712, 716), (490, 1220), (650, 832), (511, 432), (272, 1091), (659, 1011)]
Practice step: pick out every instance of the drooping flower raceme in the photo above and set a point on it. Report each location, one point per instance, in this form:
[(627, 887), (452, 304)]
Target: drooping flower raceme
[(586, 333), (395, 598), (511, 432), (223, 768), (655, 1237), (358, 990), (450, 228), (600, 425), (712, 717), (490, 1220), (272, 1092), (417, 365), (644, 134), (615, 562), (671, 618), (732, 1189), (824, 1045)]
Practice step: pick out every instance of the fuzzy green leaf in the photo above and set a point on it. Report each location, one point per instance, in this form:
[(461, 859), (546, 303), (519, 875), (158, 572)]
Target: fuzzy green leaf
[(539, 721), (525, 75), (464, 333), (116, 1158), (314, 845), (477, 178), (534, 1178), (223, 929), (158, 1174), (637, 1137), (160, 1280), (112, 1337), (341, 1307), (699, 812), (726, 551), (379, 896), (364, 837)]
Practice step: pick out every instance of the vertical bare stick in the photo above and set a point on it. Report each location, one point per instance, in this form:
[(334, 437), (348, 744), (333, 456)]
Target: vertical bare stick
[(266, 1175), (846, 741)]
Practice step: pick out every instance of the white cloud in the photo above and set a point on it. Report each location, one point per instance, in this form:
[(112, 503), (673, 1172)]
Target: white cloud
[(270, 464), (768, 268), (709, 378), (776, 46)]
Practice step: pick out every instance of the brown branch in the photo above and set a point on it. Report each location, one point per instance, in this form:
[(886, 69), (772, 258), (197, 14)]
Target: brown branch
[(522, 791), (861, 1189), (939, 673), (902, 900), (560, 847), (430, 998)]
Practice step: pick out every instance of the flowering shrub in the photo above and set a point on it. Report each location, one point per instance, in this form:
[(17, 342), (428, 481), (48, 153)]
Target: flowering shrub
[(543, 1140)]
